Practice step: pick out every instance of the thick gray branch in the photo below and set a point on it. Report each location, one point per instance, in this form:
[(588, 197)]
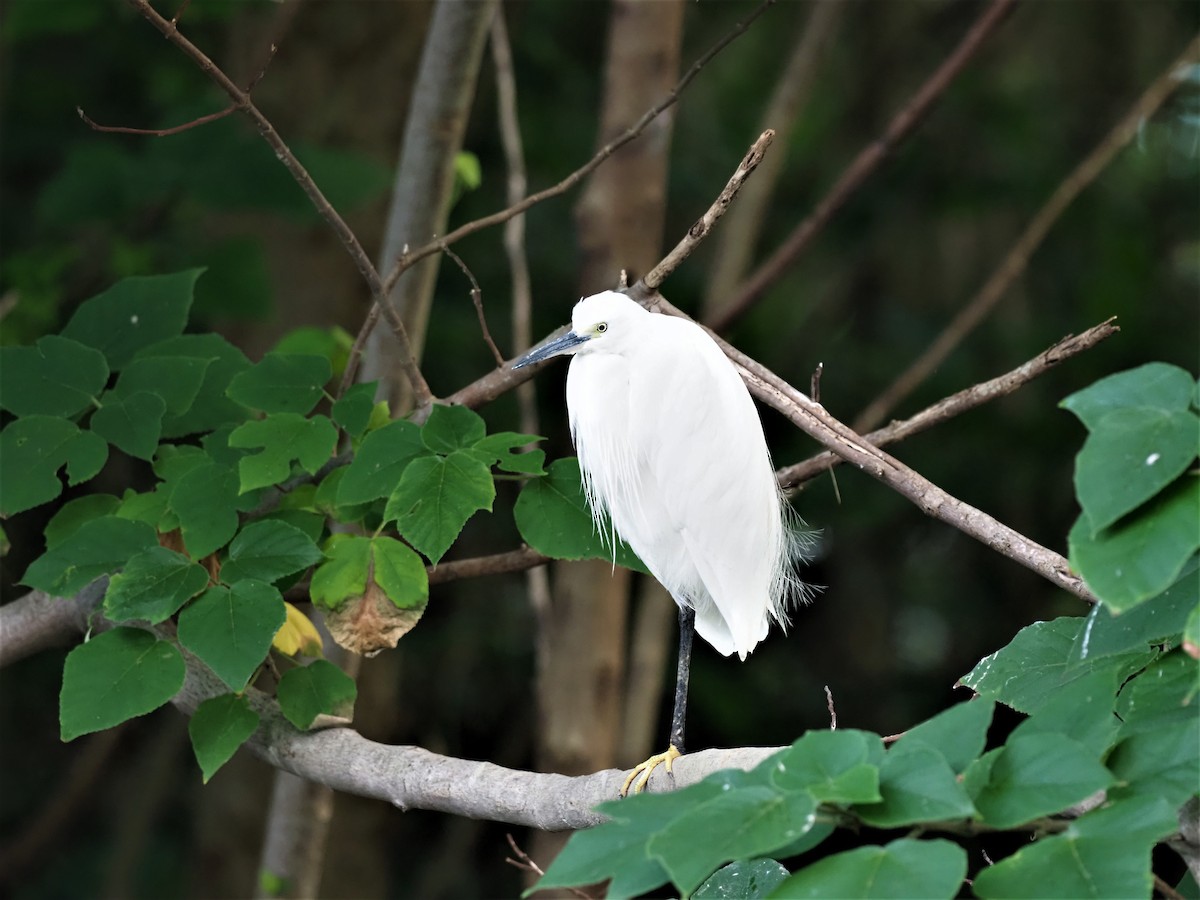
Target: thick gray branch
[(341, 758)]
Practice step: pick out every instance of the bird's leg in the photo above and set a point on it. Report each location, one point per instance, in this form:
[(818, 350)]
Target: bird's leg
[(640, 775)]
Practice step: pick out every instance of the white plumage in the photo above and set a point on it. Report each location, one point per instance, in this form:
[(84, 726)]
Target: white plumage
[(673, 452)]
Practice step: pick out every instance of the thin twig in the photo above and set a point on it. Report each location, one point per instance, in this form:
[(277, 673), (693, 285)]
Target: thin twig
[(814, 382), (410, 257), (156, 132), (478, 566), (526, 864), (1166, 890), (1017, 258), (242, 101), (477, 299), (832, 710), (702, 226), (956, 404), (863, 166)]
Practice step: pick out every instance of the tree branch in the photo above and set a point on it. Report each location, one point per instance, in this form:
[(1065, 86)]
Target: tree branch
[(1017, 259), (410, 257), (702, 226), (242, 101), (863, 166), (956, 404)]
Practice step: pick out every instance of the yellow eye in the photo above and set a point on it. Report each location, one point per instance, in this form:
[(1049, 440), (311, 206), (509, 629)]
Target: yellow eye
[(601, 328)]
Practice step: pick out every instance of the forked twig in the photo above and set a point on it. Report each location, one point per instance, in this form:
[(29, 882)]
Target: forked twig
[(477, 299)]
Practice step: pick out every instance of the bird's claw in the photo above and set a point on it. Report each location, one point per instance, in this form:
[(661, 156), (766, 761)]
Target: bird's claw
[(639, 775)]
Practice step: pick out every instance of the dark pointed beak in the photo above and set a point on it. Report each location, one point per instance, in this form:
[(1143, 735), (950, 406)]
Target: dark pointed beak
[(555, 347)]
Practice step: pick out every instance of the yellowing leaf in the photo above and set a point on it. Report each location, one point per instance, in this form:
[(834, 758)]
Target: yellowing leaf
[(297, 634)]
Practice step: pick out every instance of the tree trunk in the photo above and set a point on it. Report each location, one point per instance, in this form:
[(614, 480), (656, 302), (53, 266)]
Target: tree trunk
[(581, 663)]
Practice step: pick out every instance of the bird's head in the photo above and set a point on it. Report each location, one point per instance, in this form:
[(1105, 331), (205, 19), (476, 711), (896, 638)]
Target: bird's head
[(600, 323)]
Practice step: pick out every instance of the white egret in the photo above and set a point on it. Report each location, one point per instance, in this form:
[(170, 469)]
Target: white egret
[(672, 452)]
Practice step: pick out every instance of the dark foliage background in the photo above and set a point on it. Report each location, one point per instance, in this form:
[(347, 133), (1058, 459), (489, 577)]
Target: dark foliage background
[(909, 605)]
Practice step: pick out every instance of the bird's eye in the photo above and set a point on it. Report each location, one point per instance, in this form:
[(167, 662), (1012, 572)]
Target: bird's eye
[(601, 328)]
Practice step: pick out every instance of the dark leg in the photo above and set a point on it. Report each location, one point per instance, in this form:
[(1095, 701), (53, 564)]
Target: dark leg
[(687, 630), (639, 777)]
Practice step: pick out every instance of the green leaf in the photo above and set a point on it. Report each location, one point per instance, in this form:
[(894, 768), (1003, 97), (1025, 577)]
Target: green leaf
[(1082, 710), (133, 423), (154, 585), (210, 408), (1156, 385), (231, 629), (1161, 696), (352, 412), (380, 462), (1105, 853), (176, 380), (616, 848), (58, 377), (498, 450), (748, 880), (1130, 456), (318, 688), (735, 824), (435, 498), (1153, 622), (834, 766), (902, 869), (205, 500), (268, 550), (75, 513), (150, 508), (116, 676), (1037, 664), (1163, 763), (1143, 555), (917, 785), (451, 428), (33, 449), (553, 518), (958, 733), (99, 547), (352, 561), (134, 313), (1038, 774), (282, 383), (332, 343), (283, 437), (218, 727)]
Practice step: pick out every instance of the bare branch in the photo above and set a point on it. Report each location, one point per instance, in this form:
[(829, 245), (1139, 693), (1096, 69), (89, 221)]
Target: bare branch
[(242, 102), (863, 166), (956, 404), (1017, 259), (156, 132), (478, 566), (477, 299), (412, 256), (699, 231)]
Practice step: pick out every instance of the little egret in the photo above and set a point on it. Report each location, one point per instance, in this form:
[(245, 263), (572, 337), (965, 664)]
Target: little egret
[(673, 454)]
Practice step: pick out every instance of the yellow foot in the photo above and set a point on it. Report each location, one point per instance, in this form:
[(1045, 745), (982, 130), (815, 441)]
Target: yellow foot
[(640, 774)]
